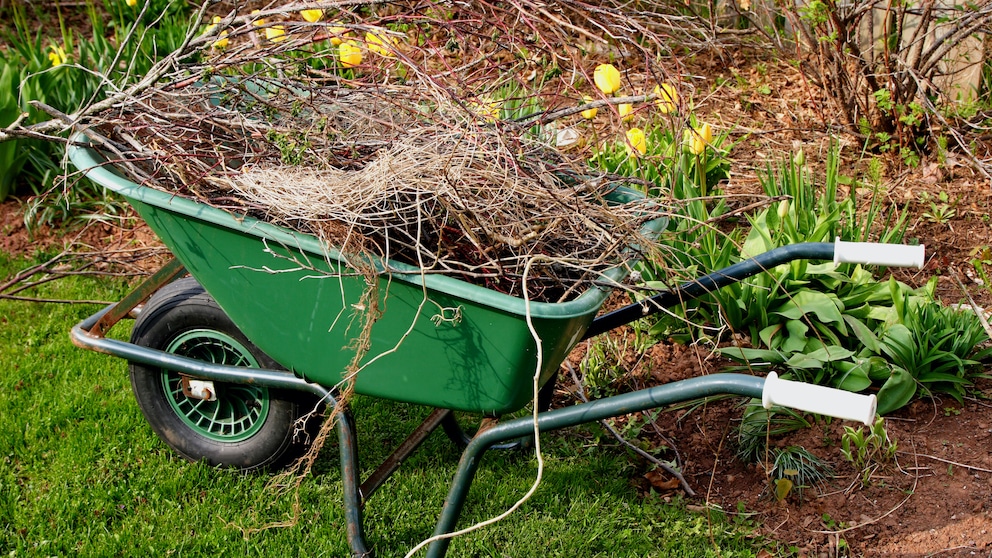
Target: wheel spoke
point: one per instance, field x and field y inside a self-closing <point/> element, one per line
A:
<point x="239" y="411"/>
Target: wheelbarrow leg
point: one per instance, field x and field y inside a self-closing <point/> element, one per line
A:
<point x="351" y="480"/>
<point x="659" y="396"/>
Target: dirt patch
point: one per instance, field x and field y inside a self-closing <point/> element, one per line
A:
<point x="126" y="233"/>
<point x="934" y="498"/>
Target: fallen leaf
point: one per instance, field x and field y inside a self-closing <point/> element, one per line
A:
<point x="660" y="481"/>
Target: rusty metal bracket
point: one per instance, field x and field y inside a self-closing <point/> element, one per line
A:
<point x="393" y="462"/>
<point x="119" y="311"/>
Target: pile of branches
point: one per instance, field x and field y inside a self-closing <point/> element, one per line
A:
<point x="401" y="155"/>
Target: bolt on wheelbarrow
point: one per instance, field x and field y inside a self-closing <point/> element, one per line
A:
<point x="225" y="358"/>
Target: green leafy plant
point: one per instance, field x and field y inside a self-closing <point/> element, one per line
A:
<point x="868" y="451"/>
<point x="840" y="326"/>
<point x="693" y="243"/>
<point x="941" y="209"/>
<point x="932" y="347"/>
<point x="759" y="424"/>
<point x="62" y="71"/>
<point x="795" y="469"/>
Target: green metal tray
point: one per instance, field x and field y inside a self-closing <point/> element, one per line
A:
<point x="483" y="363"/>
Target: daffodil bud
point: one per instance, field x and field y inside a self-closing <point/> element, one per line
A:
<point x="349" y="54"/>
<point x="667" y="98"/>
<point x="378" y="45"/>
<point x="626" y="111"/>
<point x="336" y="33"/>
<point x="222" y="42"/>
<point x="607" y="78"/>
<point x="699" y="138"/>
<point x="783" y="209"/>
<point x="589" y="114"/>
<point x="313" y="16"/>
<point x="276" y="33"/>
<point x="637" y="143"/>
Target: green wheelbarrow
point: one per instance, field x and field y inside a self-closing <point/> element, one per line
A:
<point x="227" y="353"/>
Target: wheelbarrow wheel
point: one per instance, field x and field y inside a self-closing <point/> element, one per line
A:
<point x="246" y="427"/>
<point x="460" y="436"/>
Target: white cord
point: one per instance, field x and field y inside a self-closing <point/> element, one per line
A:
<point x="537" y="433"/>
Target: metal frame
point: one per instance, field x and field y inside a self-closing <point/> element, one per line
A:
<point x="90" y="334"/>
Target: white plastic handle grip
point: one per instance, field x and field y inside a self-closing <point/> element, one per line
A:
<point x="818" y="399"/>
<point x="874" y="253"/>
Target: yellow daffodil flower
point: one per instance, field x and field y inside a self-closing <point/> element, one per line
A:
<point x="637" y="143"/>
<point x="607" y="78"/>
<point x="131" y="3"/>
<point x="626" y="111"/>
<point x="588" y="114"/>
<point x="667" y="98"/>
<point x="275" y="33"/>
<point x="336" y="32"/>
<point x="699" y="138"/>
<point x="223" y="41"/>
<point x="378" y="45"/>
<point x="313" y="16"/>
<point x="257" y="22"/>
<point x="57" y="55"/>
<point x="487" y="110"/>
<point x="349" y="54"/>
<point x="213" y="25"/>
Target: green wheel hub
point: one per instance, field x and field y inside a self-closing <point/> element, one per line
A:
<point x="239" y="410"/>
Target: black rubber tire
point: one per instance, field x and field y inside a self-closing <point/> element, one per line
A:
<point x="182" y="312"/>
<point x="461" y="438"/>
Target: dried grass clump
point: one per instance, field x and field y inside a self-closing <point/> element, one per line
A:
<point x="447" y="194"/>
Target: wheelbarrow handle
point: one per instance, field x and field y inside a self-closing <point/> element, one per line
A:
<point x="869" y="253"/>
<point x="821" y="400"/>
<point x="875" y="253"/>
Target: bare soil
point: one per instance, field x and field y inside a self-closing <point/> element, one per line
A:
<point x="936" y="498"/>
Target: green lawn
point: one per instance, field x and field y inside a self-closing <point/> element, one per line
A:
<point x="82" y="474"/>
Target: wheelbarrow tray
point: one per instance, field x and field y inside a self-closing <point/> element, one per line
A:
<point x="439" y="341"/>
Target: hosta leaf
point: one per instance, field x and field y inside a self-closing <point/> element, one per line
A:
<point x="753" y="356"/>
<point x="863" y="333"/>
<point x="769" y="336"/>
<point x="831" y="353"/>
<point x="931" y="377"/>
<point x="854" y="377"/>
<point x="896" y="391"/>
<point x="828" y="335"/>
<point x="823" y="305"/>
<point x="804" y="361"/>
<point x="796" y="340"/>
<point x="878" y="369"/>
